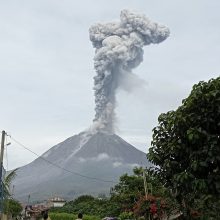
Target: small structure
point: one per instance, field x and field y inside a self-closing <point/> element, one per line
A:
<point x="56" y="202"/>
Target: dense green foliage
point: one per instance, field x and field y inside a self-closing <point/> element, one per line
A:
<point x="123" y="199"/>
<point x="126" y="215"/>
<point x="131" y="188"/>
<point x="91" y="206"/>
<point x="131" y="197"/>
<point x="186" y="148"/>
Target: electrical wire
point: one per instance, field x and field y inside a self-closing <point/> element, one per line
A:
<point x="62" y="168"/>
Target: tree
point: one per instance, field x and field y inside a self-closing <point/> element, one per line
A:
<point x="91" y="206"/>
<point x="130" y="195"/>
<point x="129" y="189"/>
<point x="186" y="147"/>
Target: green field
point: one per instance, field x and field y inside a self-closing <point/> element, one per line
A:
<point x="66" y="216"/>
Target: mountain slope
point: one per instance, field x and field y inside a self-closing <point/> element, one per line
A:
<point x="99" y="156"/>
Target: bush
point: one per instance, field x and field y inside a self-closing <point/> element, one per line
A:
<point x="12" y="207"/>
<point x="90" y="206"/>
<point x="126" y="215"/>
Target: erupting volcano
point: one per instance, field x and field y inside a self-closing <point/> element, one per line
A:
<point x="92" y="161"/>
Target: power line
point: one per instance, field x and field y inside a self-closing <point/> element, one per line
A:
<point x="62" y="168"/>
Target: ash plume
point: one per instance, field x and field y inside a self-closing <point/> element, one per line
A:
<point x="119" y="49"/>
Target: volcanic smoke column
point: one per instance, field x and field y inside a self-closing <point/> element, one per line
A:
<point x="119" y="49"/>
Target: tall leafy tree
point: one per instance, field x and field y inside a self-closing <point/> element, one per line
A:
<point x="186" y="147"/>
<point x="131" y="196"/>
<point x="129" y="189"/>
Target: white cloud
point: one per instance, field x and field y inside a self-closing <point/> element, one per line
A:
<point x="117" y="164"/>
<point x="100" y="157"/>
<point x="82" y="160"/>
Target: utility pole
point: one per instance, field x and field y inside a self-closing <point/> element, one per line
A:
<point x="1" y="172"/>
<point x="29" y="196"/>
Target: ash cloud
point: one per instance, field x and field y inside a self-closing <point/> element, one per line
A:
<point x="119" y="49"/>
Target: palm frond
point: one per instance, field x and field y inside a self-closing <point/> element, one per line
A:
<point x="8" y="178"/>
<point x="7" y="182"/>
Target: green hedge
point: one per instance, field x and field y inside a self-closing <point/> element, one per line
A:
<point x="66" y="216"/>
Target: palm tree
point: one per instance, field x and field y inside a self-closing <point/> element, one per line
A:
<point x="6" y="184"/>
<point x="9" y="205"/>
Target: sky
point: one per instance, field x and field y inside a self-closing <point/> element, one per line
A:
<point x="46" y="68"/>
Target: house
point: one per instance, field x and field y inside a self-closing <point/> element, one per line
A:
<point x="56" y="202"/>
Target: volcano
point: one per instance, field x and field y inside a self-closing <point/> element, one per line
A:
<point x="92" y="164"/>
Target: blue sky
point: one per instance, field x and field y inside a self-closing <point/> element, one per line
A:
<point x="46" y="68"/>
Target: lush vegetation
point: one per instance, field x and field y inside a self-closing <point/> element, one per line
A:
<point x="151" y="201"/>
<point x="186" y="150"/>
<point x="128" y="199"/>
<point x="12" y="207"/>
<point x="89" y="205"/>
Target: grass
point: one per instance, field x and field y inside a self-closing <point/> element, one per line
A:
<point x="67" y="216"/>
